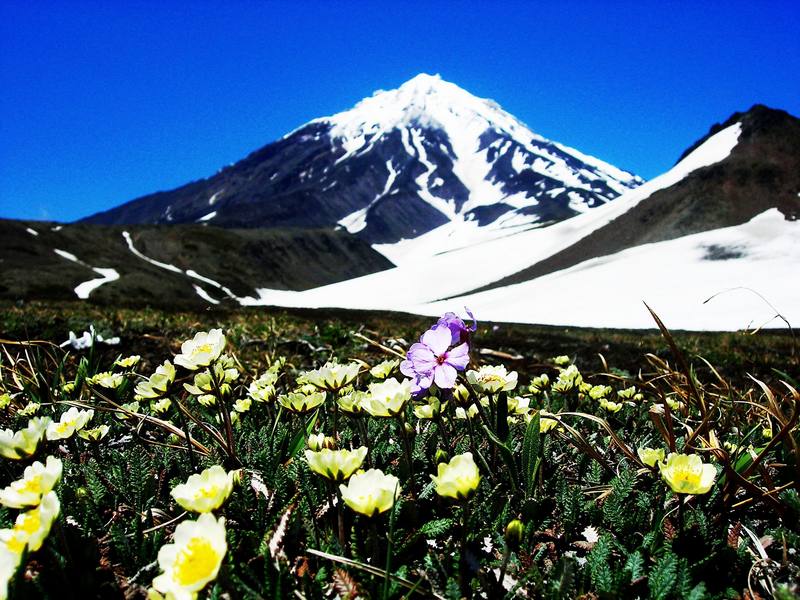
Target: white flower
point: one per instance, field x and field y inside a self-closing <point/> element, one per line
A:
<point x="590" y="535"/>
<point x="127" y="363"/>
<point x="467" y="414"/>
<point x="242" y="405"/>
<point x="193" y="559"/>
<point x="491" y="379"/>
<point x="161" y="406"/>
<point x="205" y="491"/>
<point x="31" y="527"/>
<point x="71" y="421"/>
<point x="388" y="398"/>
<point x="24" y="442"/>
<point x="158" y="384"/>
<point x="457" y="479"/>
<point x="331" y="376"/>
<point x="37" y="480"/>
<point x="9" y="561"/>
<point x="383" y="369"/>
<point x="201" y="350"/>
<point x="31" y="408"/>
<point x="107" y="380"/>
<point x="94" y="435"/>
<point x="370" y="493"/>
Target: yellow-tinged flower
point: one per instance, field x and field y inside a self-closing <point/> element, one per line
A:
<point x="383" y="369"/>
<point x="263" y="388"/>
<point x="387" y="398"/>
<point x="71" y="421"/>
<point x="207" y="399"/>
<point x="31" y="408"/>
<point x="160" y="406"/>
<point x="37" y="480"/>
<point x="468" y="413"/>
<point x="23" y="443"/>
<point x="31" y="527"/>
<point x="539" y="384"/>
<point x="457" y="479"/>
<point x="5" y="400"/>
<point x="201" y="350"/>
<point x="431" y="410"/>
<point x="300" y="403"/>
<point x="94" y="435"/>
<point x="206" y="491"/>
<point x="546" y="422"/>
<point x="370" y="493"/>
<point x="675" y="405"/>
<point x="491" y="379"/>
<point x="628" y="393"/>
<point x="318" y="441"/>
<point x="461" y="394"/>
<point x="336" y="465"/>
<point x="599" y="391"/>
<point x="568" y="379"/>
<point x="158" y="383"/>
<point x="610" y="406"/>
<point x="350" y="403"/>
<point x="562" y="360"/>
<point x="192" y="559"/>
<point x="517" y="405"/>
<point x="687" y="473"/>
<point x="650" y="456"/>
<point x="129" y="362"/>
<point x="132" y="407"/>
<point x="331" y="376"/>
<point x="107" y="380"/>
<point x="243" y="405"/>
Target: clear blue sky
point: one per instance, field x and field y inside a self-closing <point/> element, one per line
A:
<point x="101" y="102"/>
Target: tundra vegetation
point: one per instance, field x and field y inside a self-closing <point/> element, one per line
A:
<point x="357" y="455"/>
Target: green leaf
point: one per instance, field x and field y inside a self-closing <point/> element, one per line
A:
<point x="663" y="577"/>
<point x="530" y="454"/>
<point x="299" y="439"/>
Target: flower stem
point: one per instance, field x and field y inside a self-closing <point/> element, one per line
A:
<point x="408" y="452"/>
<point x="462" y="559"/>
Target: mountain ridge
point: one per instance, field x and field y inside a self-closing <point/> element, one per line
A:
<point x="398" y="164"/>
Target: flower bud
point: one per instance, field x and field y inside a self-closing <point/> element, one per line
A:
<point x="81" y="493"/>
<point x="237" y="476"/>
<point x="440" y="457"/>
<point x="514" y="532"/>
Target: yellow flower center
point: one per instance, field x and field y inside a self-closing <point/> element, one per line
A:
<point x="195" y="562"/>
<point x="16" y="543"/>
<point x="29" y="523"/>
<point x="32" y="485"/>
<point x="203" y="349"/>
<point x="206" y="493"/>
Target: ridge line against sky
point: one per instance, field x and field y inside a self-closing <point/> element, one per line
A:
<point x="105" y="102"/>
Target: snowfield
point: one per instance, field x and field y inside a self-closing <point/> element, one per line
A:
<point x="674" y="277"/>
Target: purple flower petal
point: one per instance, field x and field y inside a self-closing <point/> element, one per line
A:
<point x="458" y="357"/>
<point x="437" y="339"/>
<point x="444" y="376"/>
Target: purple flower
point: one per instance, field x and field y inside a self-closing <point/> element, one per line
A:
<point x="429" y="360"/>
<point x="458" y="329"/>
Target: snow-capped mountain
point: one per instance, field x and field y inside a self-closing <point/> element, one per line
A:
<point x="396" y="166"/>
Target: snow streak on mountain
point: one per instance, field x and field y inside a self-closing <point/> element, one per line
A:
<point x="398" y="165"/>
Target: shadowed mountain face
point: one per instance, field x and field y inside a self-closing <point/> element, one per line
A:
<point x="165" y="266"/>
<point x="762" y="172"/>
<point x="397" y="165"/>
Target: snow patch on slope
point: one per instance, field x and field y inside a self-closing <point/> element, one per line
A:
<point x="87" y="287"/>
<point x="767" y="252"/>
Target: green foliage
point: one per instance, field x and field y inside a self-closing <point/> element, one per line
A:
<point x="596" y="524"/>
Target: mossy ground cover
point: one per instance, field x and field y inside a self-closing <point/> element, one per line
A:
<point x="595" y="521"/>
